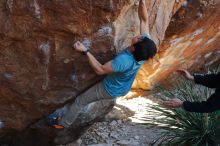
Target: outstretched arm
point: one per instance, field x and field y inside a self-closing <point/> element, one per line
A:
<point x="208" y="80"/>
<point x="143" y="16"/>
<point x="98" y="67"/>
<point x="94" y="63"/>
<point x="211" y="105"/>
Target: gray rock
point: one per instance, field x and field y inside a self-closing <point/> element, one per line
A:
<point x="137" y="137"/>
<point x="113" y="123"/>
<point x="77" y="143"/>
<point x="2" y="125"/>
<point x="114" y="135"/>
<point x="128" y="143"/>
<point x="119" y="122"/>
<point x="101" y="144"/>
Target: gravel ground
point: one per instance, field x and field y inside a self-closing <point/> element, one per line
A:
<point x="127" y="125"/>
<point x="120" y="133"/>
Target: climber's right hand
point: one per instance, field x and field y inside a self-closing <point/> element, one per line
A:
<point x="186" y="74"/>
<point x="78" y="46"/>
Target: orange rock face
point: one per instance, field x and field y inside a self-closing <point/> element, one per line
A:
<point x="39" y="71"/>
<point x="192" y="42"/>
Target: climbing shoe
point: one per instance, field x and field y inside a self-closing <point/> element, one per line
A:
<point x="55" y="117"/>
<point x="53" y="121"/>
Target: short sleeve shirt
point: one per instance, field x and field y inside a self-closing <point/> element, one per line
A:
<point x="125" y="68"/>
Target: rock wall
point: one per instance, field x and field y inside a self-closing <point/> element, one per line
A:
<point x="40" y="72"/>
<point x="192" y="41"/>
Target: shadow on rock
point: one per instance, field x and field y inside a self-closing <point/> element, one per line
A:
<point x="40" y="134"/>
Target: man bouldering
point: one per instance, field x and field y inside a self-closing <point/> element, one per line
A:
<point x="120" y="71"/>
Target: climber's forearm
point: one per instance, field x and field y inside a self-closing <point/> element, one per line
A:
<point x="143" y="16"/>
<point x="97" y="66"/>
<point x="94" y="63"/>
<point x="142" y="11"/>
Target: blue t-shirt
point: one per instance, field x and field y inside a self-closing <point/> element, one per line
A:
<point x="124" y="68"/>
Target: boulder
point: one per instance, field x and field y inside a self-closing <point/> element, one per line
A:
<point x="40" y="71"/>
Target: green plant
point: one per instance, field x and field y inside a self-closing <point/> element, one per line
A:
<point x="184" y="128"/>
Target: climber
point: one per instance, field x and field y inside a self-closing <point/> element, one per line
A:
<point x="210" y="105"/>
<point x="120" y="71"/>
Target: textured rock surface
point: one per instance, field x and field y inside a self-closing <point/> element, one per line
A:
<point x="39" y="72"/>
<point x="192" y="41"/>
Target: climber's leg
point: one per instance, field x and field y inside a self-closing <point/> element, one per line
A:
<point x="95" y="93"/>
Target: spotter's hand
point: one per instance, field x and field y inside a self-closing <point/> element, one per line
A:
<point x="173" y="103"/>
<point x="185" y="73"/>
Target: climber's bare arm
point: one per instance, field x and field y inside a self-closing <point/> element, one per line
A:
<point x="98" y="67"/>
<point x="94" y="63"/>
<point x="143" y="16"/>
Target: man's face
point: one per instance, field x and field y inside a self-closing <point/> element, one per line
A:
<point x="136" y="39"/>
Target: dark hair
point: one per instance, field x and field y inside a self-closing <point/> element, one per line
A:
<point x="144" y="49"/>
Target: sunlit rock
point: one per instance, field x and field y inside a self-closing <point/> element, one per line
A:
<point x="41" y="72"/>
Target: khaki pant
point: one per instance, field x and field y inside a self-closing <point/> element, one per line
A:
<point x="95" y="93"/>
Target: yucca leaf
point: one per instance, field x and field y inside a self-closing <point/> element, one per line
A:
<point x="185" y="128"/>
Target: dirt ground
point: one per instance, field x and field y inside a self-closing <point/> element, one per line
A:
<point x="128" y="124"/>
